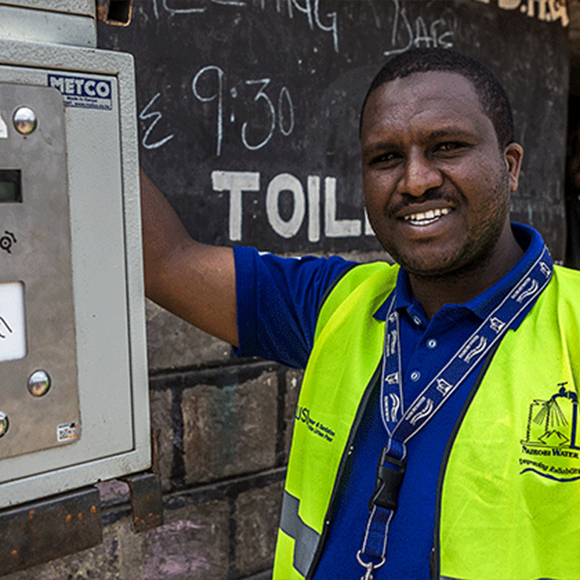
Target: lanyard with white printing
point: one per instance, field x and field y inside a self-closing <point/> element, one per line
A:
<point x="401" y="425"/>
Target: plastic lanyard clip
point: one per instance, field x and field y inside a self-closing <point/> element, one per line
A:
<point x="390" y="473"/>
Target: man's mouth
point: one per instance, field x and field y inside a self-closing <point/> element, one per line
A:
<point x="427" y="217"/>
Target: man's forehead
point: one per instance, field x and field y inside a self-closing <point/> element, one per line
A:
<point x="445" y="95"/>
<point x="426" y="85"/>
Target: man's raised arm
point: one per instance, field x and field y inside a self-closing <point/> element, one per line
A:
<point x="194" y="281"/>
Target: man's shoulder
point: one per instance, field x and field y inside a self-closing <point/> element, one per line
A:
<point x="563" y="292"/>
<point x="368" y="274"/>
<point x="370" y="283"/>
<point x="567" y="279"/>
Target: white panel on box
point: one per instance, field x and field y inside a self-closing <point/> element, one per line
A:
<point x="12" y="322"/>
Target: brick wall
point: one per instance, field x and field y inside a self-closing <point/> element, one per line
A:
<point x="222" y="428"/>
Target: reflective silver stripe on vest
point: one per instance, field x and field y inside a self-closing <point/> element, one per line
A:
<point x="306" y="539"/>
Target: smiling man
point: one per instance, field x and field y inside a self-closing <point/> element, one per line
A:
<point x="437" y="183"/>
<point x="436" y="431"/>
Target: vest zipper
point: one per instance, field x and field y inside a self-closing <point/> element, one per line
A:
<point x="436" y="550"/>
<point x="360" y="412"/>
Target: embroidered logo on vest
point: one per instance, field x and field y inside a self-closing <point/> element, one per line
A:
<point x="550" y="448"/>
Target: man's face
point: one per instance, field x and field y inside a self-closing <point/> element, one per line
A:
<point x="435" y="180"/>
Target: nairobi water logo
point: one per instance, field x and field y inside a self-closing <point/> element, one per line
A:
<point x="550" y="448"/>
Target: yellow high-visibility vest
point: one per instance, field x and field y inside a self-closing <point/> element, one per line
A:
<point x="509" y="499"/>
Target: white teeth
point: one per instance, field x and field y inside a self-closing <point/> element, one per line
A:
<point x="427" y="217"/>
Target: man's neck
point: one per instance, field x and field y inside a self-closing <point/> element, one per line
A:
<point x="433" y="292"/>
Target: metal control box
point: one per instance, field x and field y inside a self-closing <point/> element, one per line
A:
<point x="37" y="334"/>
<point x="73" y="380"/>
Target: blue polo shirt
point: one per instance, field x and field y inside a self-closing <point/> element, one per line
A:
<point x="278" y="301"/>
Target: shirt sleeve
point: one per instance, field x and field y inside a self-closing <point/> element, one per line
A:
<point x="278" y="301"/>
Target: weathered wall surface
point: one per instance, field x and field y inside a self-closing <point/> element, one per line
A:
<point x="222" y="430"/>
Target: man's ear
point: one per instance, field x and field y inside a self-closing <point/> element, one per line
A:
<point x="513" y="154"/>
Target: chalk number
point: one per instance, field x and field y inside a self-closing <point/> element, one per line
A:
<point x="273" y="114"/>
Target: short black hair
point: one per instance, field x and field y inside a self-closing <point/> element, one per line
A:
<point x="491" y="94"/>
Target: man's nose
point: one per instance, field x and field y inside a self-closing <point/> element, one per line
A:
<point x="420" y="175"/>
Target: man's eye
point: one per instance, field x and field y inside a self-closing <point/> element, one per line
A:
<point x="449" y="146"/>
<point x="384" y="158"/>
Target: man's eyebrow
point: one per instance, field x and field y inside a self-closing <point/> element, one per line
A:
<point x="446" y="132"/>
<point x="450" y="131"/>
<point x="378" y="146"/>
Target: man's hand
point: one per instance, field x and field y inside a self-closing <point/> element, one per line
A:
<point x="194" y="281"/>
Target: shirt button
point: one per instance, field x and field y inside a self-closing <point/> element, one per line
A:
<point x="415" y="376"/>
<point x="432" y="343"/>
<point x="416" y="320"/>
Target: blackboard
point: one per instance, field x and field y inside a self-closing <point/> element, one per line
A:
<point x="248" y="109"/>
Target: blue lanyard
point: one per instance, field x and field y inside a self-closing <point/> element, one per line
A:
<point x="402" y="424"/>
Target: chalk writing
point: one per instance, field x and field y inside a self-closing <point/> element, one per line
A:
<point x="156" y="116"/>
<point x="407" y="34"/>
<point x="282" y="117"/>
<point x="284" y="97"/>
<point x="193" y="7"/>
<point x="237" y="183"/>
<point x="310" y="8"/>
<point x="272" y="113"/>
<point x="219" y="95"/>
<point x="546" y="10"/>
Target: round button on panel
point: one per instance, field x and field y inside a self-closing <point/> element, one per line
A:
<point x="39" y="383"/>
<point x="432" y="343"/>
<point x="25" y="120"/>
<point x="415" y="376"/>
<point x="4" y="423"/>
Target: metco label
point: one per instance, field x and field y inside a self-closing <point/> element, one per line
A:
<point x="85" y="92"/>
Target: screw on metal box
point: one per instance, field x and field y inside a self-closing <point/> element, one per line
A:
<point x="25" y="120"/>
<point x="39" y="383"/>
<point x="3" y="423"/>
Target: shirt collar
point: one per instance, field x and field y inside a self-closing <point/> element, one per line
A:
<point x="529" y="240"/>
